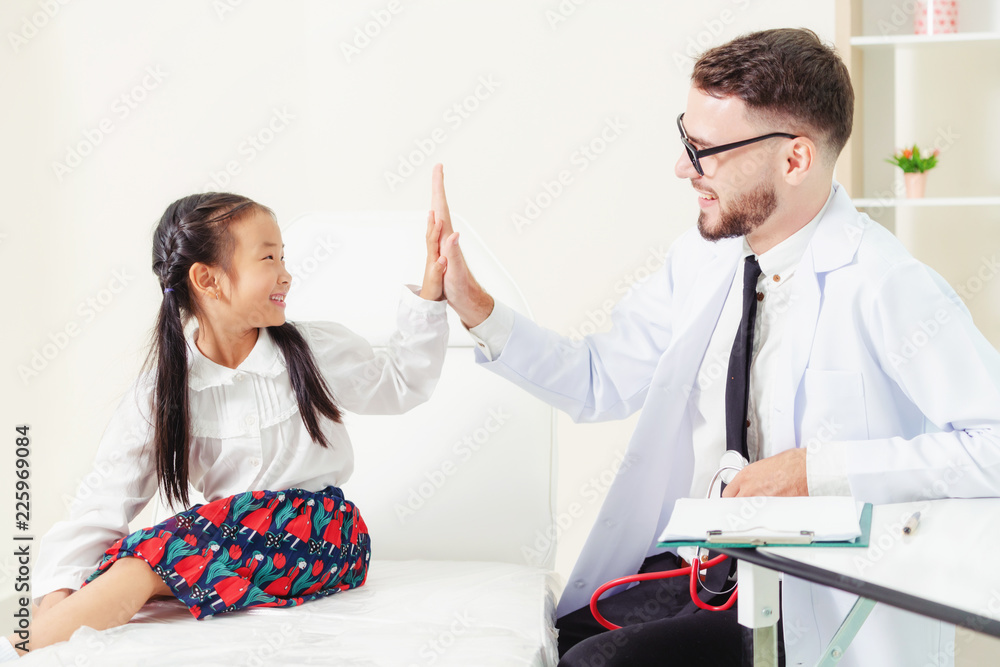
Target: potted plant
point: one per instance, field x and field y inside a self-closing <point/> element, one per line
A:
<point x="914" y="168"/>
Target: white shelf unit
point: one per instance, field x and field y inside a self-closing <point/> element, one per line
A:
<point x="928" y="201"/>
<point x="937" y="91"/>
<point x="904" y="40"/>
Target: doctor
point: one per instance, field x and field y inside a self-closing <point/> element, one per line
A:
<point x="867" y="376"/>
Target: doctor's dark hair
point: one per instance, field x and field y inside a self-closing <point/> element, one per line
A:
<point x="788" y="79"/>
<point x="197" y="229"/>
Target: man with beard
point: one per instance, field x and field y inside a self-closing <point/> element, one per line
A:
<point x="788" y="327"/>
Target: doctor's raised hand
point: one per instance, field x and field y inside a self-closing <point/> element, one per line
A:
<point x="463" y="293"/>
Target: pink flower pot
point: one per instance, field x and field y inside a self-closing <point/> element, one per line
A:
<point x="915" y="184"/>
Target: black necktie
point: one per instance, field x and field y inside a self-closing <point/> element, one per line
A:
<point x="737" y="392"/>
<point x="738" y="382"/>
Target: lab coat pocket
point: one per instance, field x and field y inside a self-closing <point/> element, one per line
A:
<point x="833" y="407"/>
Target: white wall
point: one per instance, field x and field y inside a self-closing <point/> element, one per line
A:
<point x="220" y="77"/>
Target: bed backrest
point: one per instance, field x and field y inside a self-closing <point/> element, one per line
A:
<point x="469" y="475"/>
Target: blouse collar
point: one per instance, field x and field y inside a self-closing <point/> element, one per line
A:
<point x="264" y="359"/>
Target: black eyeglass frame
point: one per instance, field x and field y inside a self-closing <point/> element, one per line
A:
<point x="696" y="154"/>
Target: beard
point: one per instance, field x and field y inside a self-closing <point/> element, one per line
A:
<point x="747" y="212"/>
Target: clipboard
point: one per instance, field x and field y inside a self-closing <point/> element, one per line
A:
<point x="717" y="538"/>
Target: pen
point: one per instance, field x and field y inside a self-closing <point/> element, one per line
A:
<point x="911" y="523"/>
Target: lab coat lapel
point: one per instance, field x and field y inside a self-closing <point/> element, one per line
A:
<point x="793" y="354"/>
<point x="833" y="245"/>
<point x="702" y="307"/>
<point x="677" y="370"/>
<point x="659" y="456"/>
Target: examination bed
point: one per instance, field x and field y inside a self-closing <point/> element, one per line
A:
<point x="458" y="495"/>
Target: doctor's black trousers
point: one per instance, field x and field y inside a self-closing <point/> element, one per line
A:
<point x="661" y="626"/>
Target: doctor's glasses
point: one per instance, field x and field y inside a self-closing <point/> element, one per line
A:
<point x="696" y="154"/>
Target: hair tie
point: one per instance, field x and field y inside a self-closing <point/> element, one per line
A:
<point x="169" y="289"/>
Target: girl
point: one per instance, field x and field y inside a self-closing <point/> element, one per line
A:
<point x="247" y="410"/>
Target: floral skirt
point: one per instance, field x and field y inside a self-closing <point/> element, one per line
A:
<point x="254" y="549"/>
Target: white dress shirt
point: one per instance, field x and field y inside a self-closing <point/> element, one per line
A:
<point x="707" y="407"/>
<point x="708" y="397"/>
<point x="246" y="433"/>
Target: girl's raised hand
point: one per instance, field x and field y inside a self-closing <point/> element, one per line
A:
<point x="433" y="285"/>
<point x="439" y="202"/>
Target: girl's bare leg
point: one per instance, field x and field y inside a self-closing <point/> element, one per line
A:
<point x="49" y="601"/>
<point x="108" y="601"/>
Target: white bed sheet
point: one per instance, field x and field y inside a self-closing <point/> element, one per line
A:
<point x="408" y="613"/>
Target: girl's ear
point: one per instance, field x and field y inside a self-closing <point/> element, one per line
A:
<point x="203" y="279"/>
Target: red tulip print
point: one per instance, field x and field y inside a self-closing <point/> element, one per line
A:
<point x="282" y="585"/>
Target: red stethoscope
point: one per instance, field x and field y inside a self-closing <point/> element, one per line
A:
<point x="732" y="462"/>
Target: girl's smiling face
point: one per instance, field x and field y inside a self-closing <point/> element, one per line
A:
<point x="260" y="282"/>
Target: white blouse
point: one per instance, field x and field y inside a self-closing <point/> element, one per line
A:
<point x="246" y="434"/>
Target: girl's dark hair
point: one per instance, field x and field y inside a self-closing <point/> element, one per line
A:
<point x="786" y="75"/>
<point x="197" y="229"/>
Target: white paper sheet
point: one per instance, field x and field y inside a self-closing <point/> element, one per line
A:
<point x="829" y="518"/>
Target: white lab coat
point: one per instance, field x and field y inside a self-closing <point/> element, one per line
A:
<point x="878" y="350"/>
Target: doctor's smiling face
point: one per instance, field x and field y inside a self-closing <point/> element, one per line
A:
<point x="773" y="109"/>
<point x="738" y="191"/>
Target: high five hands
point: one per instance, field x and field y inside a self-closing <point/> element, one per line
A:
<point x="447" y="275"/>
